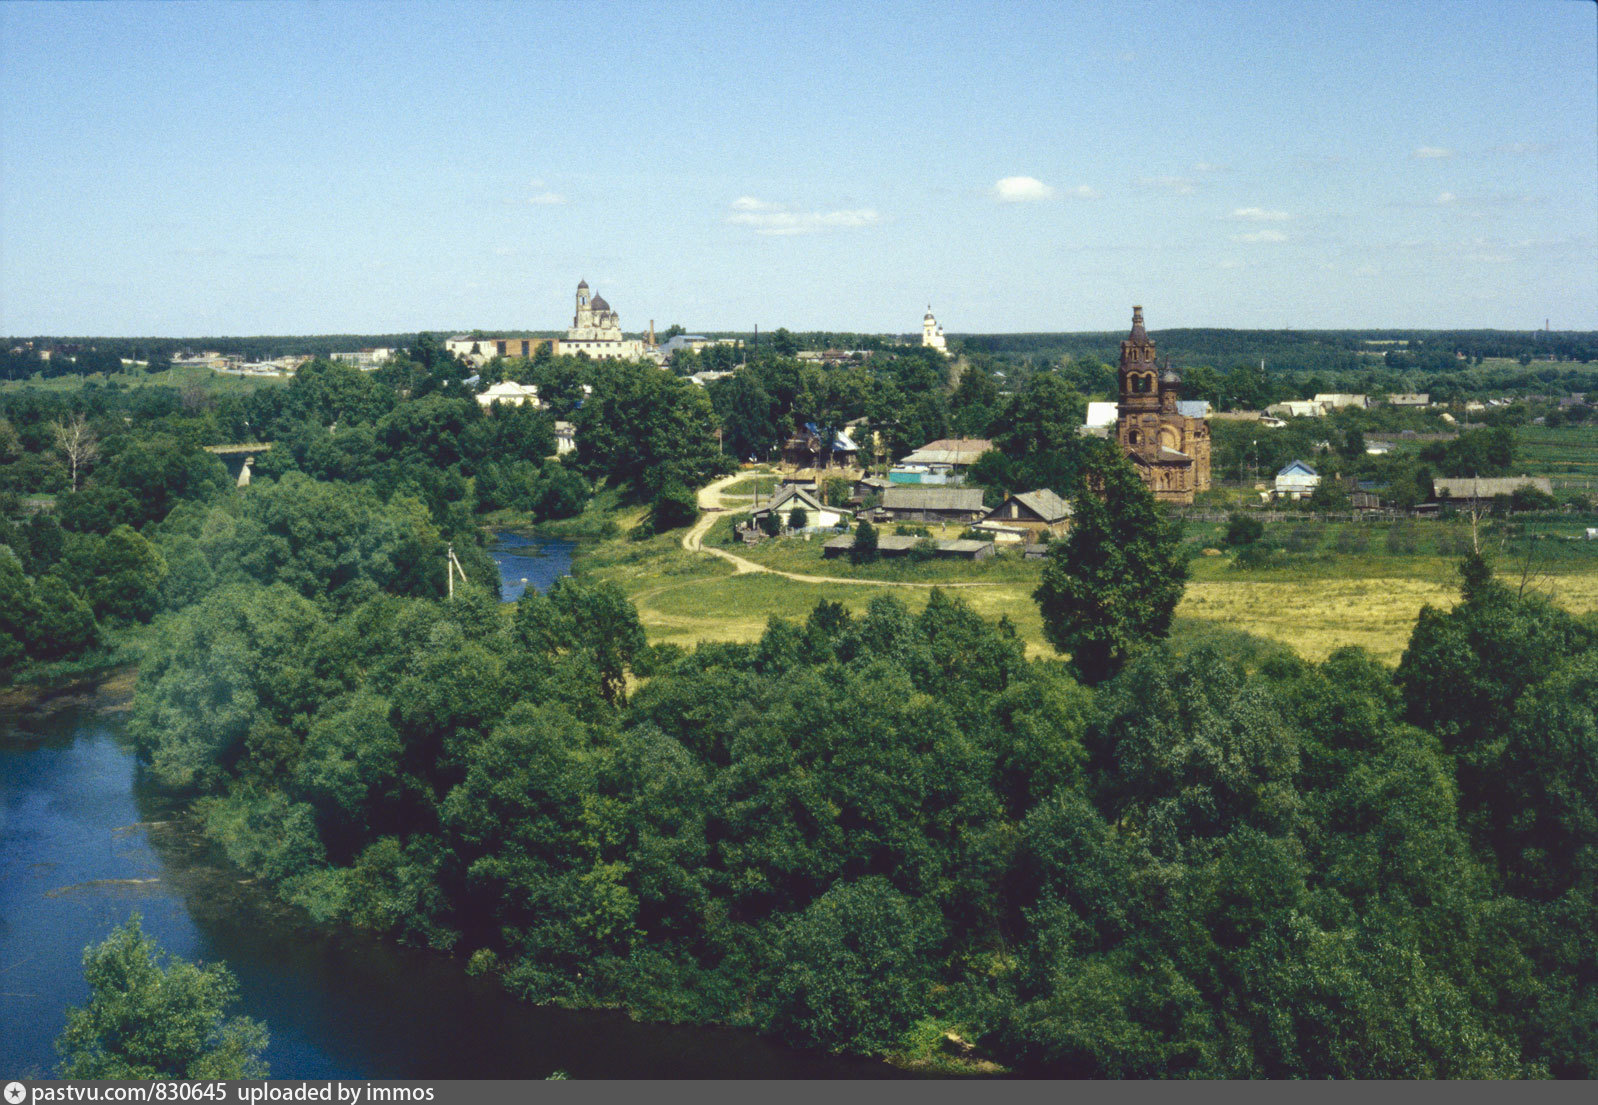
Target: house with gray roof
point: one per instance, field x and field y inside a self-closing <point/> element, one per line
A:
<point x="1477" y="489"/>
<point x="1036" y="512"/>
<point x="957" y="452"/>
<point x="892" y="545"/>
<point x="909" y="503"/>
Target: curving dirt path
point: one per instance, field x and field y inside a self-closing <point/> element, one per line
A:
<point x="712" y="506"/>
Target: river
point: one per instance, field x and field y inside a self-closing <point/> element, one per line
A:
<point x="85" y="843"/>
<point x="524" y="562"/>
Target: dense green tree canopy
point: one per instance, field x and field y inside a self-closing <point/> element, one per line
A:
<point x="152" y="1016"/>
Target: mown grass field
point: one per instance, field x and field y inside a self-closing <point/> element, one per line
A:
<point x="1313" y="603"/>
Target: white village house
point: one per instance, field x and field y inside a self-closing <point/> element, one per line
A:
<point x="511" y="394"/>
<point x="1297" y="480"/>
<point x="817" y="516"/>
<point x="795" y="494"/>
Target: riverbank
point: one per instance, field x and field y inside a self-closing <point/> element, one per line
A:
<point x="104" y="689"/>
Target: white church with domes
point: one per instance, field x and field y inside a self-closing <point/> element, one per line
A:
<point x="596" y="330"/>
<point x="932" y="333"/>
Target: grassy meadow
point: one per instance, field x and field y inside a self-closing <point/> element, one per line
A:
<point x="1338" y="584"/>
<point x="179" y="376"/>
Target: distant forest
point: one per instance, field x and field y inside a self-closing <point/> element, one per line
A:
<point x="1308" y="349"/>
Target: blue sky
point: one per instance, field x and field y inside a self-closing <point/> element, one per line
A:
<point x="203" y="168"/>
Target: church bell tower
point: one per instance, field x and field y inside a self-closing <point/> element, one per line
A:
<point x="1139" y="378"/>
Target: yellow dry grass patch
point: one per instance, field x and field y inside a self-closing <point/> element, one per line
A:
<point x="683" y="598"/>
<point x="1317" y="617"/>
<point x="1312" y="617"/>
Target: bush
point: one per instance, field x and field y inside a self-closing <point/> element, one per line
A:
<point x="1329" y="495"/>
<point x="1402" y="539"/>
<point x="673" y="508"/>
<point x="1302" y="539"/>
<point x="1352" y="539"/>
<point x="1530" y="498"/>
<point x="1242" y="529"/>
<point x="864" y="550"/>
<point x="923" y="550"/>
<point x="905" y="530"/>
<point x="798" y="518"/>
<point x="1258" y="555"/>
<point x="837" y="490"/>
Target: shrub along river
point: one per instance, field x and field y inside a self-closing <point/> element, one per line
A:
<point x="85" y="842"/>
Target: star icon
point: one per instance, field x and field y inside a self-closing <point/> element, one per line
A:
<point x="15" y="1093"/>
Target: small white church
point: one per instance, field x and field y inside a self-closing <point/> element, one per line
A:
<point x="932" y="333"/>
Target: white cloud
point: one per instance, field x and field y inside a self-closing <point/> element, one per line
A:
<point x="1176" y="185"/>
<point x="1021" y="189"/>
<point x="1261" y="236"/>
<point x="776" y="220"/>
<point x="542" y="195"/>
<point x="1207" y="167"/>
<point x="1523" y="147"/>
<point x="1085" y="192"/>
<point x="1428" y="153"/>
<point x="1259" y="215"/>
<point x="1447" y="198"/>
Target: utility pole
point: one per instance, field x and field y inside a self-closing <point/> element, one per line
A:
<point x="451" y="566"/>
